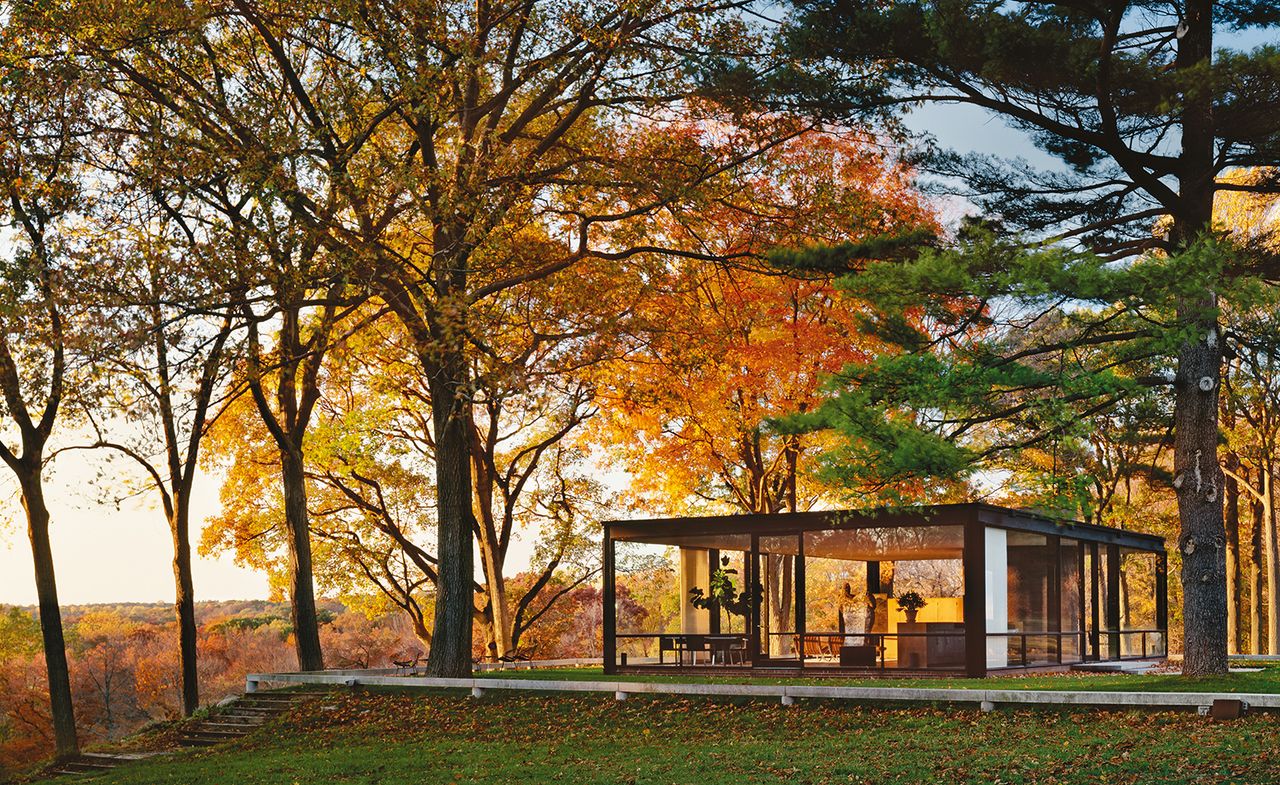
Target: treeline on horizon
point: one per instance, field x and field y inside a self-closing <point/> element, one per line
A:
<point x="162" y="612"/>
<point x="411" y="279"/>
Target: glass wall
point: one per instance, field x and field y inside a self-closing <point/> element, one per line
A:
<point x="853" y="578"/>
<point x="1029" y="575"/>
<point x="835" y="599"/>
<point x="1071" y="600"/>
<point x="1137" y="587"/>
<point x="1033" y="599"/>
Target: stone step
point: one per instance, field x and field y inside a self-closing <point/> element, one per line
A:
<point x="236" y="727"/>
<point x="112" y="758"/>
<point x="205" y="729"/>
<point x="193" y="741"/>
<point x="81" y="766"/>
<point x="232" y="719"/>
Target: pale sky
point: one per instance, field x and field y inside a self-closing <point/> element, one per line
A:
<point x="102" y="554"/>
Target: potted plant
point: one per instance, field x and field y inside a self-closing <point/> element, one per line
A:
<point x="910" y="603"/>
<point x="723" y="595"/>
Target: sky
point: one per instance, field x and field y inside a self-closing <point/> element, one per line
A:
<point x="105" y="554"/>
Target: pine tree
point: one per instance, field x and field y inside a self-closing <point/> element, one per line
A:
<point x="1145" y="116"/>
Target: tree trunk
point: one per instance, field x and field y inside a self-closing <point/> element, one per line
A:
<point x="781" y="608"/>
<point x="421" y="632"/>
<point x="1256" y="613"/>
<point x="499" y="612"/>
<point x="1198" y="479"/>
<point x="1273" y="557"/>
<point x="184" y="604"/>
<point x="306" y="630"/>
<point x="55" y="649"/>
<point x="451" y="417"/>
<point x="1231" y="500"/>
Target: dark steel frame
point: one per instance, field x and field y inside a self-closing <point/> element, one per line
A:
<point x="975" y="518"/>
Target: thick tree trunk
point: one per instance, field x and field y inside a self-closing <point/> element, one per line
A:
<point x="1195" y="445"/>
<point x="184" y="604"/>
<point x="55" y="649"/>
<point x="306" y="629"/>
<point x="1256" y="612"/>
<point x="451" y="417"/>
<point x="1231" y="501"/>
<point x="1198" y="481"/>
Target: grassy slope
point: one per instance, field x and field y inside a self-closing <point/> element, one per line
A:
<point x="1268" y="681"/>
<point x="436" y="737"/>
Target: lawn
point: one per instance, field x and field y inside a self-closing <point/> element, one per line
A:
<point x="386" y="737"/>
<point x="1267" y="680"/>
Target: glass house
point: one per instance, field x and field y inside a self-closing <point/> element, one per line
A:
<point x="814" y="592"/>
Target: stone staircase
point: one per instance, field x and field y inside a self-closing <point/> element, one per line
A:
<point x="97" y="762"/>
<point x="241" y="717"/>
<point x="232" y="720"/>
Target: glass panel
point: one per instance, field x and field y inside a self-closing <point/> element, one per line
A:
<point x="1108" y="618"/>
<point x="1029" y="573"/>
<point x="723" y="542"/>
<point x="1093" y="641"/>
<point x="1071" y="571"/>
<point x="647" y="601"/>
<point x="733" y="619"/>
<point x="853" y="579"/>
<point x="933" y="636"/>
<point x="886" y="544"/>
<point x="836" y="610"/>
<point x="778" y="606"/>
<point x="1138" y="604"/>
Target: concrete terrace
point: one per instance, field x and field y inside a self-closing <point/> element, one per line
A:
<point x="1166" y="695"/>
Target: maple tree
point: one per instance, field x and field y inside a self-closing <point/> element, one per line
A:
<point x="728" y="349"/>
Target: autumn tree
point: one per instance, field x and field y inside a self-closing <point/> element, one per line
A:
<point x="371" y="461"/>
<point x="725" y="349"/>
<point x="41" y="108"/>
<point x="1144" y="116"/>
<point x="167" y="366"/>
<point x="421" y="127"/>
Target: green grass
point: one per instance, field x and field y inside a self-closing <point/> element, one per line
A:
<point x="1266" y="681"/>
<point x="427" y="737"/>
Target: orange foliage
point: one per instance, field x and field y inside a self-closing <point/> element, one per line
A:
<point x="730" y="348"/>
<point x="125" y="672"/>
